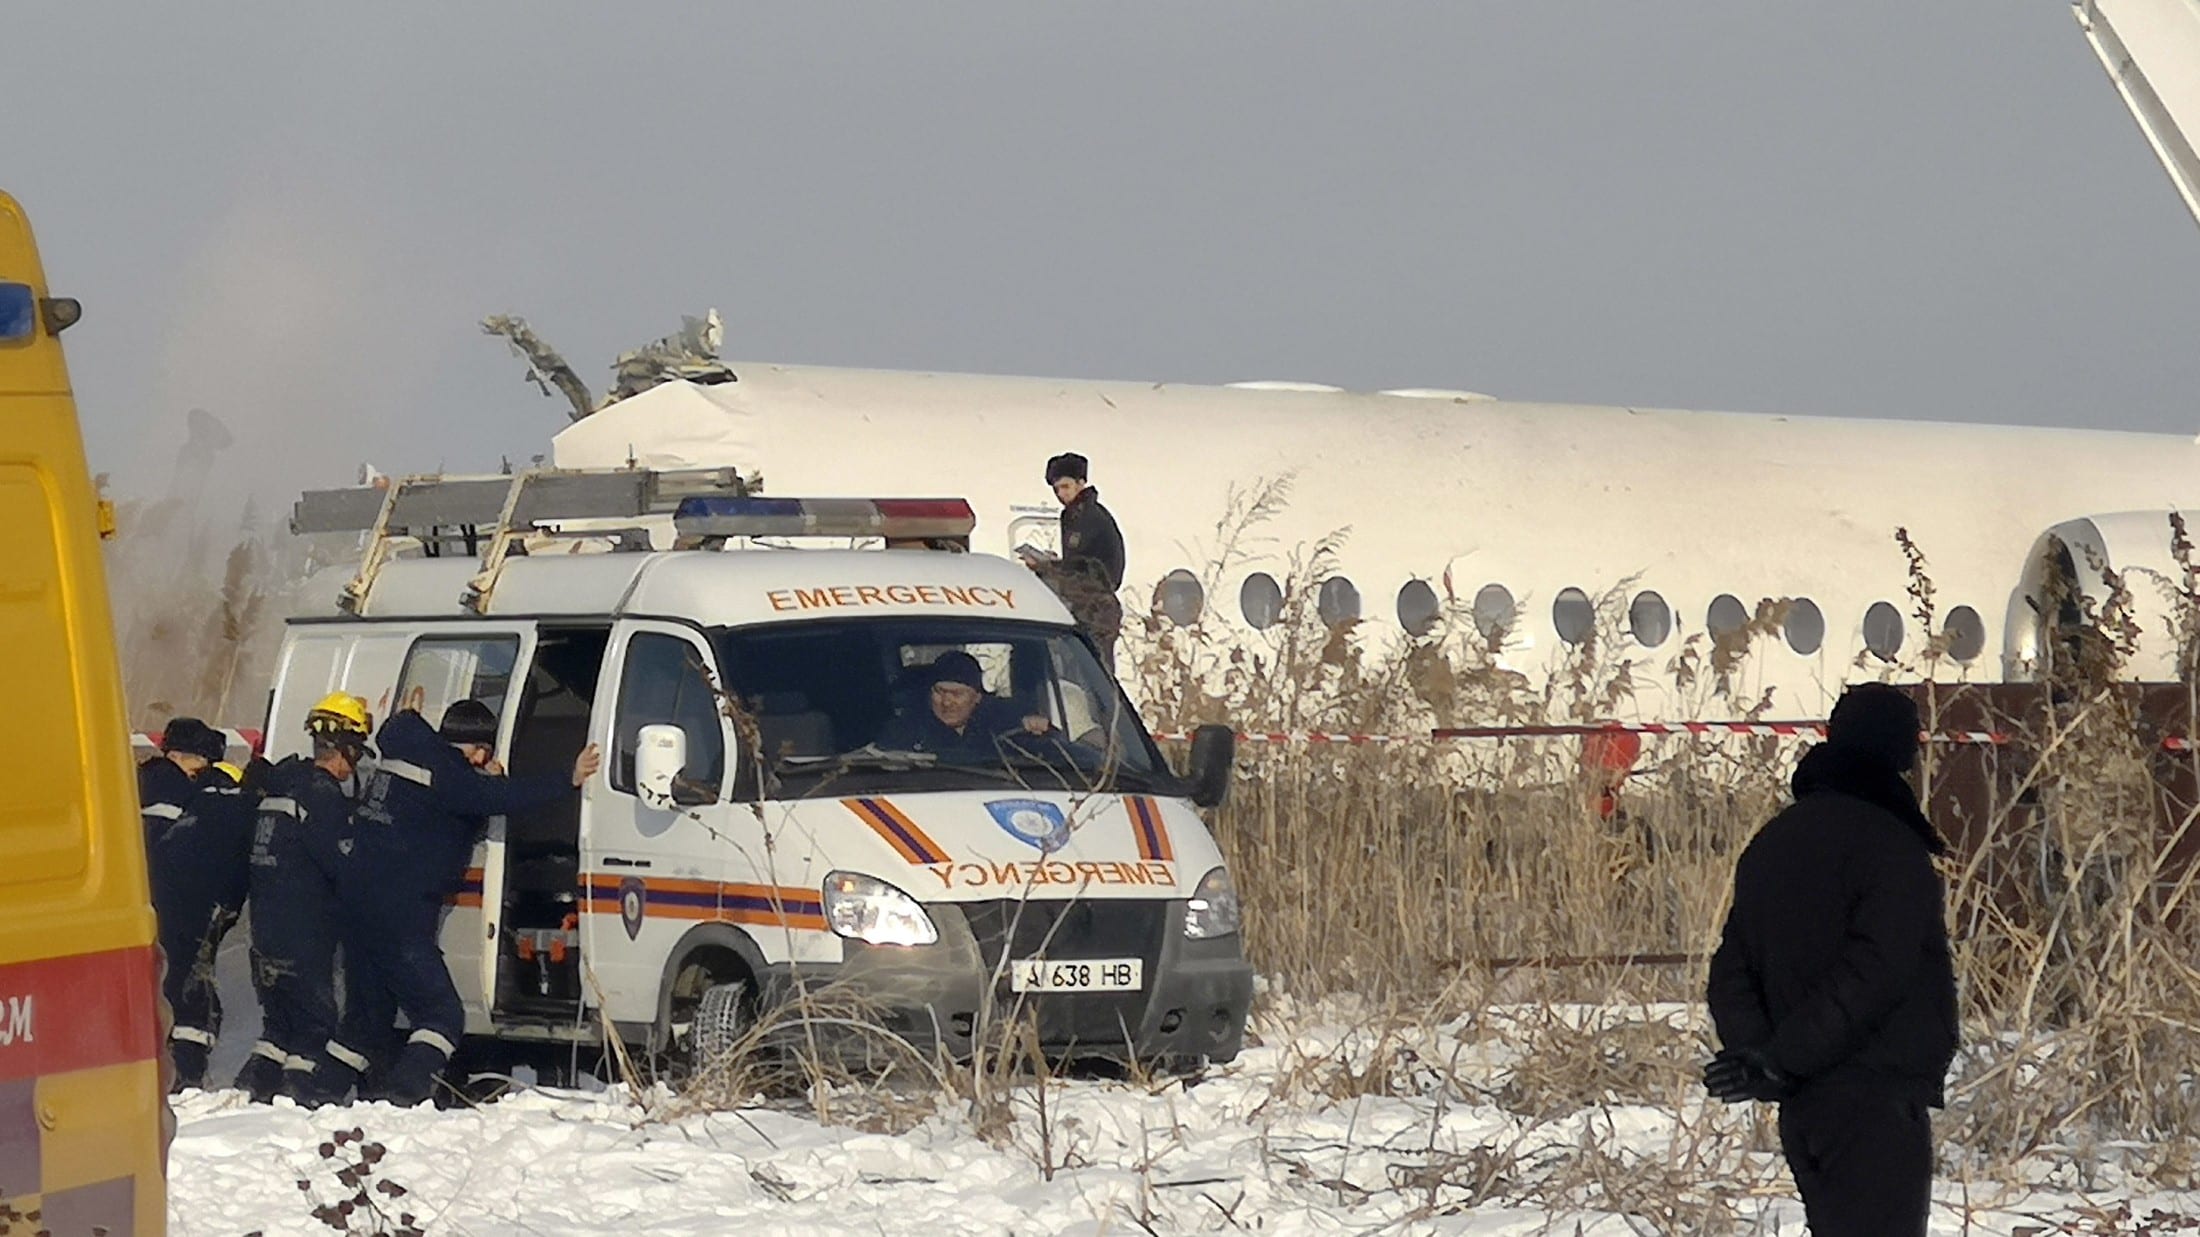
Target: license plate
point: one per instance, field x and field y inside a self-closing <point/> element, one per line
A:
<point x="1082" y="975"/>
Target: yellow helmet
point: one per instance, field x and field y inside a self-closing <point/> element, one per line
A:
<point x="235" y="774"/>
<point x="339" y="715"/>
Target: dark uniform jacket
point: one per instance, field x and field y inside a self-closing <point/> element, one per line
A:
<point x="920" y="730"/>
<point x="422" y="808"/>
<point x="1092" y="546"/>
<point x="204" y="858"/>
<point x="163" y="792"/>
<point x="304" y="818"/>
<point x="1835" y="956"/>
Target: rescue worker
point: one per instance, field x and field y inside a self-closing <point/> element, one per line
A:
<point x="1832" y="987"/>
<point x="1089" y="571"/>
<point x="201" y="871"/>
<point x="419" y="815"/>
<point x="303" y="830"/>
<point x="167" y="781"/>
<point x="964" y="723"/>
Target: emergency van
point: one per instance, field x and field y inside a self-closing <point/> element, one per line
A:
<point x="757" y="828"/>
<point x="84" y="1123"/>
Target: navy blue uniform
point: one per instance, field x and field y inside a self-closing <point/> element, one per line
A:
<point x="163" y="790"/>
<point x="201" y="871"/>
<point x="420" y="812"/>
<point x="297" y="852"/>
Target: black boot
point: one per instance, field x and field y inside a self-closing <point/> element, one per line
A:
<point x="413" y="1078"/>
<point x="190" y="1058"/>
<point x="262" y="1075"/>
<point x="318" y="1083"/>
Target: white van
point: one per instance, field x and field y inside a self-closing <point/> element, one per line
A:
<point x="747" y="831"/>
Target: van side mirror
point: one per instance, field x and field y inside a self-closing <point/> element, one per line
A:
<point x="660" y="752"/>
<point x="1213" y="761"/>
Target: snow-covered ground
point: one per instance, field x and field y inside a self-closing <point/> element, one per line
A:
<point x="1295" y="1137"/>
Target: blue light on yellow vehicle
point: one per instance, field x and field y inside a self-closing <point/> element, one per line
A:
<point x="18" y="312"/>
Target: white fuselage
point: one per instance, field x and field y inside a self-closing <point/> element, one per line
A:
<point x="1465" y="492"/>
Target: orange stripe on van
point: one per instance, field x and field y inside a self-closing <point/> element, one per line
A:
<point x="791" y="906"/>
<point x="469" y="891"/>
<point x="900" y="832"/>
<point x="1150" y="831"/>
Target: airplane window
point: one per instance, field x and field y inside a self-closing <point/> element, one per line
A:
<point x="1339" y="602"/>
<point x="1805" y="627"/>
<point x="1179" y="597"/>
<point x="1494" y="611"/>
<point x="1883" y="630"/>
<point x="1260" y="600"/>
<point x="1573" y="616"/>
<point x="1966" y="633"/>
<point x="1649" y="619"/>
<point x="1418" y="608"/>
<point x="1726" y="616"/>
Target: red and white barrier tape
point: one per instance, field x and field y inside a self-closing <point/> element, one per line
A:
<point x="250" y="741"/>
<point x="1301" y="736"/>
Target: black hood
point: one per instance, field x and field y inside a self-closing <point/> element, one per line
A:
<point x="1833" y="768"/>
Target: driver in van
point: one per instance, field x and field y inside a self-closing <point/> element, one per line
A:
<point x="964" y="721"/>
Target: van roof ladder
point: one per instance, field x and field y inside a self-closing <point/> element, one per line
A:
<point x="485" y="515"/>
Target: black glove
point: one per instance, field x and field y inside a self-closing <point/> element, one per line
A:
<point x="1738" y="1075"/>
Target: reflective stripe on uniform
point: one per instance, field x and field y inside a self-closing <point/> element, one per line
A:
<point x="356" y="1061"/>
<point x="409" y="771"/>
<point x="192" y="1035"/>
<point x="303" y="1065"/>
<point x="280" y="805"/>
<point x="163" y="811"/>
<point x="433" y="1040"/>
<point x="268" y="1050"/>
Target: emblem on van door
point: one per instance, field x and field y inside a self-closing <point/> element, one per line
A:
<point x="633" y="903"/>
<point x="1032" y="821"/>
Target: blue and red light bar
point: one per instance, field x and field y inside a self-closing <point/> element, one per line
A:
<point x="892" y="518"/>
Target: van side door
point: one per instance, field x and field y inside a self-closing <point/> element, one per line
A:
<point x="650" y="873"/>
<point x="484" y="663"/>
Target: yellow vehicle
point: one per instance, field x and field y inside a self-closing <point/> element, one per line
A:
<point x="84" y="1120"/>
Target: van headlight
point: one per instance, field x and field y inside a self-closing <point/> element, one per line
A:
<point x="863" y="908"/>
<point x="1213" y="910"/>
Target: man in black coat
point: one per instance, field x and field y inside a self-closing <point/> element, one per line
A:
<point x="201" y="870"/>
<point x="1090" y="569"/>
<point x="1832" y="988"/>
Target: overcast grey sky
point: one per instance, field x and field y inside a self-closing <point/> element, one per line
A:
<point x="294" y="215"/>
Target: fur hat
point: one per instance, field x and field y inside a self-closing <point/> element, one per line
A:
<point x="1067" y="464"/>
<point x="193" y="737"/>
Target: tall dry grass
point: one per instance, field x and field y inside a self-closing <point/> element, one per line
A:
<point x="1407" y="871"/>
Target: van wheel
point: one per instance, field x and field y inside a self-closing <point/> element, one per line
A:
<point x="722" y="1021"/>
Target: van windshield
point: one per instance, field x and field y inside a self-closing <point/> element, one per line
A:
<point x="933" y="703"/>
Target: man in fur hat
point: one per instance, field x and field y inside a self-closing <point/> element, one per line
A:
<point x="1090" y="569"/>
